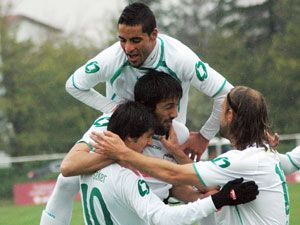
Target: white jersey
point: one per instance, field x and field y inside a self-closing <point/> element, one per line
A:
<point x="271" y="205"/>
<point x="169" y="55"/>
<point x="290" y="161"/>
<point x="116" y="195"/>
<point x="160" y="188"/>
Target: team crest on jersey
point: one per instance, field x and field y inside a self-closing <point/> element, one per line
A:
<point x="101" y="122"/>
<point x="201" y="71"/>
<point x="143" y="188"/>
<point x="92" y="67"/>
<point x="222" y="162"/>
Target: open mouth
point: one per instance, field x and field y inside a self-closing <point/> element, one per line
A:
<point x="132" y="57"/>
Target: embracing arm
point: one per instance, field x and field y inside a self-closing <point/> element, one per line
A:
<point x="113" y="147"/>
<point x="80" y="161"/>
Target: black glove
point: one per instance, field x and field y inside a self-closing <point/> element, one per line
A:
<point x="235" y="192"/>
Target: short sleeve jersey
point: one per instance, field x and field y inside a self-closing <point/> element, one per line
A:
<point x="116" y="195"/>
<point x="169" y="55"/>
<point x="252" y="164"/>
<point x="160" y="188"/>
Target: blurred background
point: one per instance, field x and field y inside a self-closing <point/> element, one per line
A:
<point x="253" y="43"/>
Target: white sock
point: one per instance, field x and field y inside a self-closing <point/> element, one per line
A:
<point x="59" y="207"/>
<point x="47" y="219"/>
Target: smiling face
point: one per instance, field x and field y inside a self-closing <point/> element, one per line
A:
<point x="138" y="144"/>
<point x="136" y="44"/>
<point x="166" y="111"/>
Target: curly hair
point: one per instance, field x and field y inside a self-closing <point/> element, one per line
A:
<point x="250" y="122"/>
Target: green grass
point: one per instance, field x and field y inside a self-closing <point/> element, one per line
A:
<point x="29" y="215"/>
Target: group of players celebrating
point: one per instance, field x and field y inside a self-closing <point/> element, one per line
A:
<point x="147" y="78"/>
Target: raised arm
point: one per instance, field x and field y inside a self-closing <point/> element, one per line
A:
<point x="79" y="161"/>
<point x="214" y="85"/>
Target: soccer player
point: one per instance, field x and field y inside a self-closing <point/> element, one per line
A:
<point x="244" y="121"/>
<point x="120" y="195"/>
<point x="158" y="91"/>
<point x="141" y="47"/>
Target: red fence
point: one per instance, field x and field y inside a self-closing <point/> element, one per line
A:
<point x="34" y="193"/>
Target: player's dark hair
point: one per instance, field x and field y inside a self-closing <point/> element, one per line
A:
<point x="250" y="121"/>
<point x="138" y="14"/>
<point x="132" y="119"/>
<point x="156" y="86"/>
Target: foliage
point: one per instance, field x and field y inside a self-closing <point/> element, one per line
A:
<point x="38" y="116"/>
<point x="44" y="117"/>
<point x="253" y="45"/>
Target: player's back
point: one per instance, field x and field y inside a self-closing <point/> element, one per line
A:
<point x="271" y="206"/>
<point x="108" y="196"/>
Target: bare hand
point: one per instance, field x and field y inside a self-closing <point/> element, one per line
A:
<point x="108" y="143"/>
<point x="171" y="144"/>
<point x="195" y="145"/>
<point x="273" y="140"/>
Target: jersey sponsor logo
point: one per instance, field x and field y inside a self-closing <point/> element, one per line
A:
<point x="201" y="71"/>
<point x="92" y="67"/>
<point x="143" y="188"/>
<point x="222" y="162"/>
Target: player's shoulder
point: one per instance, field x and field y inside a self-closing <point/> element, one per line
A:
<point x="178" y="57"/>
<point x="174" y="48"/>
<point x="237" y="160"/>
<point x="181" y="131"/>
<point x="102" y="121"/>
<point x="111" y="57"/>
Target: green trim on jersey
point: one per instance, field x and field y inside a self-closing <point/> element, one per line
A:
<point x="74" y="85"/>
<point x="238" y="213"/>
<point x="118" y="72"/>
<point x="292" y="162"/>
<point x="156" y="137"/>
<point x="221" y="88"/>
<point x="88" y="144"/>
<point x="198" y="175"/>
<point x="113" y="96"/>
<point x="280" y="173"/>
<point x="161" y="63"/>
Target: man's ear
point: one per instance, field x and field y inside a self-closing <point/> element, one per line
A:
<point x="154" y="34"/>
<point x="130" y="139"/>
<point x="229" y="115"/>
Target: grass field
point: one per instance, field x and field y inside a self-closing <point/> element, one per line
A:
<point x="30" y="215"/>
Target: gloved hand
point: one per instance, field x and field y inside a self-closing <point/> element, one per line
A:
<point x="235" y="192"/>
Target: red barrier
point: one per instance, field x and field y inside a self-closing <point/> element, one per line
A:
<point x="34" y="193"/>
<point x="293" y="178"/>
